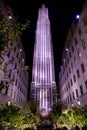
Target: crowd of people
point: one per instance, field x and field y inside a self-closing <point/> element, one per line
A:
<point x="73" y="128"/>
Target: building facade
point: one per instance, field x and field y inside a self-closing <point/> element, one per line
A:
<point x="13" y="73"/>
<point x="43" y="86"/>
<point x="73" y="74"/>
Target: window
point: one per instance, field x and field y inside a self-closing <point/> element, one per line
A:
<point x="72" y="49"/>
<point x="79" y="54"/>
<point x="70" y="98"/>
<point x="16" y="82"/>
<point x="11" y="91"/>
<point x="76" y="41"/>
<point x="15" y="67"/>
<point x="12" y="59"/>
<point x="10" y="71"/>
<point x="70" y="54"/>
<point x="17" y="54"/>
<point x="77" y="95"/>
<point x="78" y="74"/>
<point x="82" y="68"/>
<point x="67" y="74"/>
<point x="8" y="54"/>
<point x="66" y="88"/>
<point x="84" y="20"/>
<point x="79" y="31"/>
<point x="69" y="70"/>
<point x="86" y="84"/>
<point x="74" y="78"/>
<point x="14" y="49"/>
<point x="72" y="65"/>
<point x="73" y="95"/>
<point x="75" y="61"/>
<point x="6" y="90"/>
<point x="68" y="60"/>
<point x="68" y="85"/>
<point x="81" y="89"/>
<point x="71" y="82"/>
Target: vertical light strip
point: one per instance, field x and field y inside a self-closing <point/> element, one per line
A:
<point x="43" y="97"/>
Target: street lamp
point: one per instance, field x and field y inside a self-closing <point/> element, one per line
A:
<point x="9" y="102"/>
<point x="78" y="102"/>
<point x="72" y="104"/>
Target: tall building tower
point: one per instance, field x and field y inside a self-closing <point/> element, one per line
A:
<point x="43" y="86"/>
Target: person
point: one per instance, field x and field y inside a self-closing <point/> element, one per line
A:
<point x="64" y="128"/>
<point x="84" y="127"/>
<point x="77" y="127"/>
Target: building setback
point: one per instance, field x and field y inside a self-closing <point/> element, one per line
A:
<point x="73" y="74"/>
<point x="13" y="73"/>
<point x="43" y="86"/>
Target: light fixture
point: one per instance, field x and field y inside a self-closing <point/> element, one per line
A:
<point x="23" y="60"/>
<point x="9" y="102"/>
<point x="72" y="104"/>
<point x="10" y="17"/>
<point x="77" y="16"/>
<point x="20" y="49"/>
<point x="78" y="102"/>
<point x="67" y="49"/>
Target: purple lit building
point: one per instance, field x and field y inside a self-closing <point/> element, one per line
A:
<point x="13" y="72"/>
<point x="43" y="86"/>
<point x="73" y="74"/>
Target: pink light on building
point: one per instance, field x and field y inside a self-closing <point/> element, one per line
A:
<point x="43" y="86"/>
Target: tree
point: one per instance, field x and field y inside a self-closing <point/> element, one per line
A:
<point x="8" y="114"/>
<point x="21" y="118"/>
<point x="74" y="116"/>
<point x="55" y="113"/>
<point x="10" y="32"/>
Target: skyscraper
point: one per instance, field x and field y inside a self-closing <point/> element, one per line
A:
<point x="43" y="86"/>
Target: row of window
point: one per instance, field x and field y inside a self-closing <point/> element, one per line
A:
<point x="68" y="51"/>
<point x="68" y="86"/>
<point x="16" y="96"/>
<point x="74" y="76"/>
<point x="75" y="95"/>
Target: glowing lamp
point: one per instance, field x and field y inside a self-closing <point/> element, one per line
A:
<point x="77" y="16"/>
<point x="10" y="17"/>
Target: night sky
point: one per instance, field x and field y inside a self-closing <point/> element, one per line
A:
<point x="61" y="15"/>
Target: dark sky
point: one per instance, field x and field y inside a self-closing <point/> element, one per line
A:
<point x="61" y="14"/>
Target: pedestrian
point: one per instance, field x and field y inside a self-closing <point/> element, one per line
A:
<point x="64" y="128"/>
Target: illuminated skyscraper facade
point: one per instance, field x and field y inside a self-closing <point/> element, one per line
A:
<point x="43" y="86"/>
